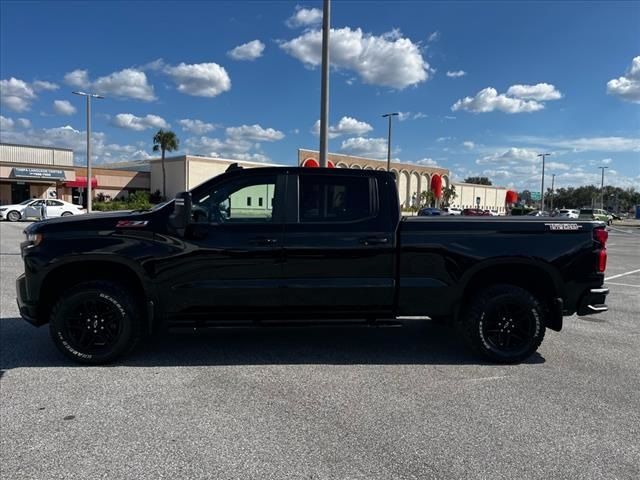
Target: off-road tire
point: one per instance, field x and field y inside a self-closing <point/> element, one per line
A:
<point x="115" y="309"/>
<point x="483" y="314"/>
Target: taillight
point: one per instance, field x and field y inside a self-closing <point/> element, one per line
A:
<point x="602" y="260"/>
<point x="600" y="235"/>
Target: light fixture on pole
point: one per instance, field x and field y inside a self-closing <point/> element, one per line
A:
<point x="324" y="100"/>
<point x="88" y="96"/>
<point x="543" y="155"/>
<point x="389" y="115"/>
<point x="602" y="188"/>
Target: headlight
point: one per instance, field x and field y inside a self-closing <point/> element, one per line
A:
<point x="3" y="209"/>
<point x="35" y="238"/>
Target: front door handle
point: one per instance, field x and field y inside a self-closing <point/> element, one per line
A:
<point x="374" y="241"/>
<point x="263" y="241"/>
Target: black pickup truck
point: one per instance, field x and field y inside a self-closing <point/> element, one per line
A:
<point x="264" y="245"/>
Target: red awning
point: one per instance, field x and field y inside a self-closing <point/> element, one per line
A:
<point x="81" y="182"/>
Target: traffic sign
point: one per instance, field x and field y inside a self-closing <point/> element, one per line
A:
<point x="535" y="195"/>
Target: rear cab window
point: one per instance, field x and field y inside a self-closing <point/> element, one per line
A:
<point x="335" y="198"/>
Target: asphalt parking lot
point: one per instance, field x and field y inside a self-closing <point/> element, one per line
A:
<point x="327" y="403"/>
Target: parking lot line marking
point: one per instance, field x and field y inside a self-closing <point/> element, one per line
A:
<point x="622" y="274"/>
<point x="623" y="284"/>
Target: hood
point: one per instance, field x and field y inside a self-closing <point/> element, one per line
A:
<point x="107" y="221"/>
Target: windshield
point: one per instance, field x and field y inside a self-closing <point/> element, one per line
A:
<point x="26" y="202"/>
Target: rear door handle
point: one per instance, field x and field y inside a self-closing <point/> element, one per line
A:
<point x="263" y="241"/>
<point x="374" y="241"/>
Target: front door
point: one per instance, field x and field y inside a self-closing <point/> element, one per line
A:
<point x="34" y="209"/>
<point x="339" y="254"/>
<point x="231" y="260"/>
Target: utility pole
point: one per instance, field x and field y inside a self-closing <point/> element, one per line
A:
<point x="389" y="115"/>
<point x="324" y="102"/>
<point x="602" y="188"/>
<point x="88" y="96"/>
<point x="543" y="155"/>
<point x="553" y="179"/>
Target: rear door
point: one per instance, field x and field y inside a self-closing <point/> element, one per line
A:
<point x="54" y="208"/>
<point x="339" y="243"/>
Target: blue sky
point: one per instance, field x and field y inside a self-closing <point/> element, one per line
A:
<point x="482" y="86"/>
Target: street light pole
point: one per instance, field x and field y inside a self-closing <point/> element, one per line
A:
<point x="389" y="115"/>
<point x="553" y="181"/>
<point x="602" y="188"/>
<point x="324" y="101"/>
<point x="543" y="155"/>
<point x="88" y="96"/>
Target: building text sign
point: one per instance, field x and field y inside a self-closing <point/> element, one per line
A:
<point x="38" y="173"/>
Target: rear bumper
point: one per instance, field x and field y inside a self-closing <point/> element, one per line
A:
<point x="28" y="310"/>
<point x="593" y="301"/>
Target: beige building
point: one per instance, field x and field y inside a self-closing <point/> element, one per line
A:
<point x="411" y="178"/>
<point x="43" y="172"/>
<point x="486" y="197"/>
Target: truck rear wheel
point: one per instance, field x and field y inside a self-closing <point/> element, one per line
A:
<point x="504" y="323"/>
<point x="95" y="322"/>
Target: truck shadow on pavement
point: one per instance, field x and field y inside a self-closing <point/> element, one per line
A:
<point x="417" y="342"/>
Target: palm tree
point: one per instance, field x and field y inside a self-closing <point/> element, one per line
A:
<point x="165" y="141"/>
<point x="427" y="198"/>
<point x="448" y="194"/>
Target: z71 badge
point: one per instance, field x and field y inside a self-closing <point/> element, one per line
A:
<point x="563" y="226"/>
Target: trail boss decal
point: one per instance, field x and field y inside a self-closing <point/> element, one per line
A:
<point x="563" y="226"/>
<point x="131" y="223"/>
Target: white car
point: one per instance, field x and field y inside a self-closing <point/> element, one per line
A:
<point x="32" y="209"/>
<point x="451" y="211"/>
<point x="568" y="213"/>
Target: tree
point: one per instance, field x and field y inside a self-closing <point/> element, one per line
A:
<point x="427" y="198"/>
<point x="478" y="180"/>
<point x="448" y="194"/>
<point x="165" y="141"/>
<point x="525" y="197"/>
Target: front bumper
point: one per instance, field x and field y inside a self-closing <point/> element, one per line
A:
<point x="28" y="310"/>
<point x="593" y="301"/>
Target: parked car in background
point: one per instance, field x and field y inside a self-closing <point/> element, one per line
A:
<point x="568" y="213"/>
<point x="539" y="213"/>
<point x="33" y="209"/>
<point x="595" y="214"/>
<point x="475" y="212"/>
<point x="427" y="212"/>
<point x="493" y="213"/>
<point x="451" y="211"/>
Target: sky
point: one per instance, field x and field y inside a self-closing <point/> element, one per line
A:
<point x="481" y="87"/>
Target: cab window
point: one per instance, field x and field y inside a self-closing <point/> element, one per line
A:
<point x="233" y="202"/>
<point x="334" y="198"/>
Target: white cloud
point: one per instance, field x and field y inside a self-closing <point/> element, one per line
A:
<point x="235" y="148"/>
<point x="606" y="161"/>
<point x="68" y="137"/>
<point x="539" y="92"/>
<point x="469" y="145"/>
<point x="24" y="122"/>
<point x="155" y="65"/>
<point x="386" y="60"/>
<point x="132" y="122"/>
<point x="16" y="94"/>
<point x="127" y="83"/>
<point x="63" y="107"/>
<point x="512" y="156"/>
<point x="255" y="133"/>
<point x="627" y="87"/>
<point x="304" y="17"/>
<point x="551" y="166"/>
<point x="77" y="78"/>
<point x="435" y="36"/>
<point x="6" y="123"/>
<point x="518" y="99"/>
<point x="40" y="85"/>
<point x="427" y="162"/>
<point x="456" y="73"/>
<point x="200" y="79"/>
<point x="196" y="126"/>
<point x="444" y="139"/>
<point x="247" y="51"/>
<point x="346" y="126"/>
<point x="419" y="115"/>
<point x="402" y="116"/>
<point x="365" y="147"/>
<point x="585" y="144"/>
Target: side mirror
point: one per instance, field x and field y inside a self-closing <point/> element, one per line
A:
<point x="181" y="215"/>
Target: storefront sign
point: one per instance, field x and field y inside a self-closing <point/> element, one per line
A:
<point x="38" y="173"/>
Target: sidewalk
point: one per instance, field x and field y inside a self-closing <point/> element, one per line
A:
<point x="627" y="222"/>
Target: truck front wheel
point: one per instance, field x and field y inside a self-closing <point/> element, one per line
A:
<point x="95" y="322"/>
<point x="504" y="323"/>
